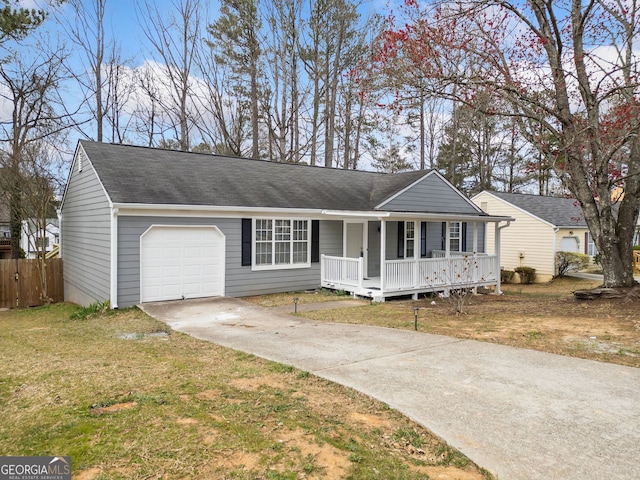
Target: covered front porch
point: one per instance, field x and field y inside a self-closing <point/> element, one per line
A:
<point x="407" y="254"/>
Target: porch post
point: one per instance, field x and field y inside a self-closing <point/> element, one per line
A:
<point x="475" y="238"/>
<point x="383" y="249"/>
<point x="447" y="239"/>
<point x="497" y="259"/>
<point x="475" y="256"/>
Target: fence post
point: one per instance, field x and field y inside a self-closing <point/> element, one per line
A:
<point x="17" y="279"/>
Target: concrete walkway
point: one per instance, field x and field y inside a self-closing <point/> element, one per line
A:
<point x="519" y="413"/>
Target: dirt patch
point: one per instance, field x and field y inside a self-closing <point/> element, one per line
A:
<point x="253" y="384"/>
<point x="187" y="421"/>
<point x="89" y="474"/>
<point x="118" y="407"/>
<point x="449" y="473"/>
<point x="233" y="459"/>
<point x="209" y="394"/>
<point x="331" y="462"/>
<point x="373" y="421"/>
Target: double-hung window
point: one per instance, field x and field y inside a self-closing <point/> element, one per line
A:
<point x="409" y="239"/>
<point x="455" y="237"/>
<point x="281" y="243"/>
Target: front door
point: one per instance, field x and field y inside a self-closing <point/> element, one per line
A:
<point x="355" y="242"/>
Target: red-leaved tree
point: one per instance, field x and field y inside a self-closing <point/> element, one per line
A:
<point x="567" y="71"/>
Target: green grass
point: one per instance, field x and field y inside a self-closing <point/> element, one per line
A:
<point x="193" y="409"/>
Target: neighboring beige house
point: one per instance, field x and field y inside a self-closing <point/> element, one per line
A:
<point x="542" y="227"/>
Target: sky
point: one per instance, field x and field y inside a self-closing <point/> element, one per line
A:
<point x="122" y="24"/>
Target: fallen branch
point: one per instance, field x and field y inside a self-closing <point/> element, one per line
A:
<point x="627" y="295"/>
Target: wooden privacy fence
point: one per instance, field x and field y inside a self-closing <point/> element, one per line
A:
<point x="20" y="284"/>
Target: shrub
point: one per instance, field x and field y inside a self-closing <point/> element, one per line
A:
<point x="87" y="312"/>
<point x="570" y="262"/>
<point x="597" y="260"/>
<point x="527" y="274"/>
<point x="506" y="276"/>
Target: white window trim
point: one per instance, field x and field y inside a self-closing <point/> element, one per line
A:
<point x="416" y="233"/>
<point x="459" y="237"/>
<point x="286" y="266"/>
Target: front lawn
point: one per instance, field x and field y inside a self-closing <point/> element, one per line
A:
<point x="543" y="317"/>
<point x="127" y="398"/>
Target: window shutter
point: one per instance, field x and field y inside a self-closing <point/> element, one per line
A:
<point x="586" y="243"/>
<point x="315" y="241"/>
<point x="400" y="239"/>
<point x="246" y="242"/>
<point x="464" y="236"/>
<point x="444" y="236"/>
<point x="423" y="239"/>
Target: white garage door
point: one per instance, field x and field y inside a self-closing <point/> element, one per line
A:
<point x="181" y="262"/>
<point x="569" y="244"/>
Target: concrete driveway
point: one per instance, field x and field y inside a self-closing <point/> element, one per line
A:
<point x="520" y="414"/>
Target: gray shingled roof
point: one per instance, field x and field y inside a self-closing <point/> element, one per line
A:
<point x="558" y="211"/>
<point x="150" y="176"/>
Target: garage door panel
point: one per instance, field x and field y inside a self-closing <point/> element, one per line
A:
<point x="181" y="262"/>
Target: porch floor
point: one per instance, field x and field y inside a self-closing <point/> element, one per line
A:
<point x="371" y="289"/>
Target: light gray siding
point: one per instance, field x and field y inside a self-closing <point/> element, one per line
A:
<point x="435" y="240"/>
<point x="86" y="238"/>
<point x="239" y="281"/>
<point x="391" y="241"/>
<point x="432" y="195"/>
<point x="434" y="237"/>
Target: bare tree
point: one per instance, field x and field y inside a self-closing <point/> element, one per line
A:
<point x="30" y="90"/>
<point x="40" y="168"/>
<point x="174" y="39"/>
<point x="120" y="86"/>
<point x="568" y="68"/>
<point x="227" y="126"/>
<point x="283" y="97"/>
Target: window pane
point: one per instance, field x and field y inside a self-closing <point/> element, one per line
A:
<point x="409" y="248"/>
<point x="283" y="230"/>
<point x="263" y="230"/>
<point x="300" y="230"/>
<point x="410" y="229"/>
<point x="282" y="253"/>
<point x="263" y="253"/>
<point x="300" y="252"/>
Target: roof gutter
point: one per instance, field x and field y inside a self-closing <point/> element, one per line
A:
<point x="145" y="208"/>
<point x="439" y="217"/>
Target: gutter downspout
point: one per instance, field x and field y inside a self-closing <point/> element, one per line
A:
<point x="497" y="240"/>
<point x="555" y="245"/>
<point x="59" y="212"/>
<point x="113" y="293"/>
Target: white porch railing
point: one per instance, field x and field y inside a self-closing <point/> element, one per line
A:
<point x="443" y="254"/>
<point x="459" y="271"/>
<point x="414" y="274"/>
<point x="342" y="271"/>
